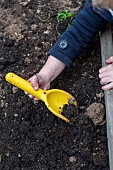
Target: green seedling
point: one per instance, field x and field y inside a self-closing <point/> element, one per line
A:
<point x="63" y="15"/>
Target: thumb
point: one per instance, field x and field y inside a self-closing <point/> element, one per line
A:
<point x="109" y="60"/>
<point x="34" y="82"/>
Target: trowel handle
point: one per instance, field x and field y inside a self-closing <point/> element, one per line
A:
<point x="24" y="85"/>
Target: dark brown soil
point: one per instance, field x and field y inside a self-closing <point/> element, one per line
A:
<point x="31" y="137"/>
<point x="70" y="111"/>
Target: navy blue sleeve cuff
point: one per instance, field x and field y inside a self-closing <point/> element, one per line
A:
<point x="63" y="49"/>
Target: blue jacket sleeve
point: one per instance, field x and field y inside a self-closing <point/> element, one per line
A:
<point x="77" y="37"/>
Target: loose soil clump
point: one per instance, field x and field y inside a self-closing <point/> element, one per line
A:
<point x="70" y="111"/>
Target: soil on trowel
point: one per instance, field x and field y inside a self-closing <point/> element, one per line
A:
<point x="70" y="111"/>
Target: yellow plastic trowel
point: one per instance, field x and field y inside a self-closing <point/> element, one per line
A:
<point x="54" y="99"/>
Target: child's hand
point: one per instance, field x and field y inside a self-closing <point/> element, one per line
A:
<point x="52" y="68"/>
<point x="38" y="81"/>
<point x="106" y="75"/>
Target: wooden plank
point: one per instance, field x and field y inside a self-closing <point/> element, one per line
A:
<point x="106" y="51"/>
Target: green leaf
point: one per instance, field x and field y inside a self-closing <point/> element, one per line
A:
<point x="71" y="15"/>
<point x="64" y="12"/>
<point x="61" y="17"/>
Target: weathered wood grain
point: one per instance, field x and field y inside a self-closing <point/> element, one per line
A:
<point x="106" y="51"/>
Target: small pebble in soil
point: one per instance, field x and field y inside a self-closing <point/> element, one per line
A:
<point x="14" y="89"/>
<point x="15" y="115"/>
<point x="72" y="159"/>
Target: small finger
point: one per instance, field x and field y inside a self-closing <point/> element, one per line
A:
<point x="36" y="99"/>
<point x="102" y="69"/>
<point x="34" y="82"/>
<point x="103" y="74"/>
<point x="26" y="93"/>
<point x="108" y="86"/>
<point x="105" y="80"/>
<point x="30" y="96"/>
<point x="106" y="69"/>
<point x="110" y="60"/>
